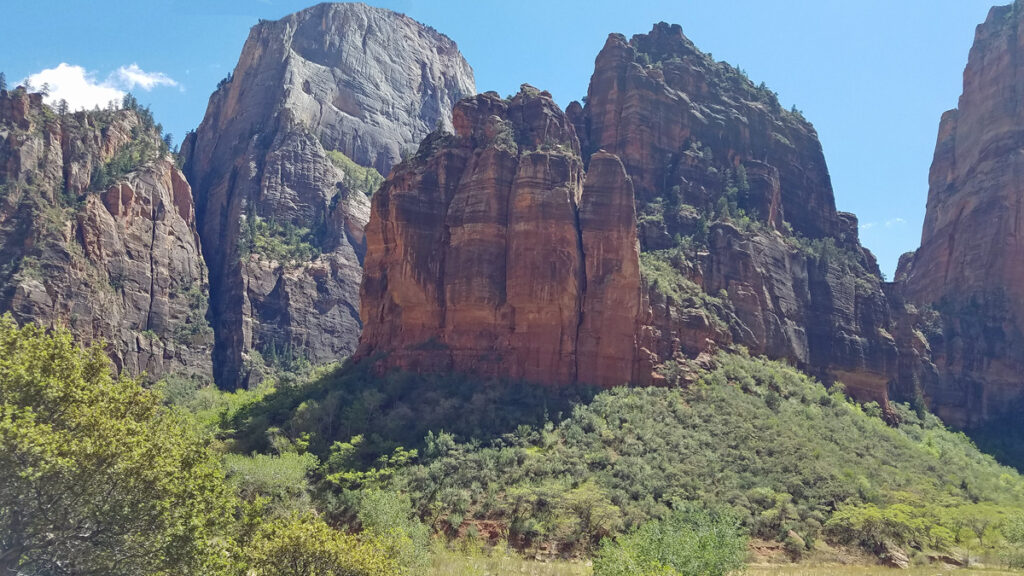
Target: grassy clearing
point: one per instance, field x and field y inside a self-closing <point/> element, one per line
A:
<point x="454" y="564"/>
<point x="835" y="570"/>
<point x="451" y="563"/>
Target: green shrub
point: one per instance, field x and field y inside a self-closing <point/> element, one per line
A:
<point x="691" y="542"/>
<point x="306" y="546"/>
<point x="388" y="518"/>
<point x="282" y="480"/>
<point x="872" y="527"/>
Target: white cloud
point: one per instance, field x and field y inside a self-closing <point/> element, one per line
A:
<point x="867" y="225"/>
<point x="894" y="222"/>
<point x="132" y="76"/>
<point x="74" y="84"/>
<point x="81" y="89"/>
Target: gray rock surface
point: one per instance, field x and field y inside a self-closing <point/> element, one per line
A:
<point x="364" y="82"/>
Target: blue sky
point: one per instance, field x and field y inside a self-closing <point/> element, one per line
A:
<point x="872" y="75"/>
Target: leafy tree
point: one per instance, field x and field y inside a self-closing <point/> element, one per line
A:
<point x="1013" y="531"/>
<point x="96" y="477"/>
<point x="873" y="528"/>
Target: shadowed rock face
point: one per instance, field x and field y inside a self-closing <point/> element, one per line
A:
<point x="491" y="252"/>
<point x="703" y="144"/>
<point x="284" y="222"/>
<point x="119" y="262"/>
<point x="970" y="266"/>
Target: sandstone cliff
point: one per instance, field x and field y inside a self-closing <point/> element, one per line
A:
<point x="733" y="192"/>
<point x="277" y="166"/>
<point x="965" y="285"/>
<point x="499" y="252"/>
<point x="97" y="233"/>
<point x="490" y="252"/>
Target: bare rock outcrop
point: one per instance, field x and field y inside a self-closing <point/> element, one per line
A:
<point x="279" y="165"/>
<point x="491" y="252"/>
<point x="966" y="281"/>
<point x="97" y="233"/>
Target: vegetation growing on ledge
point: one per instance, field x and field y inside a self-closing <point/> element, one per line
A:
<point x="661" y="271"/>
<point x="148" y="143"/>
<point x="284" y="242"/>
<point x="364" y="179"/>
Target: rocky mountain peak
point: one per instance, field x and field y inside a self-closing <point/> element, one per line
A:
<point x="321" y="105"/>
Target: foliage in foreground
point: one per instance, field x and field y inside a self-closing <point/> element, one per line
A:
<point x="690" y="542"/>
<point x="95" y="476"/>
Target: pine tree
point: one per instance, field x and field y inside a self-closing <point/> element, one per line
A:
<point x="3" y="81"/>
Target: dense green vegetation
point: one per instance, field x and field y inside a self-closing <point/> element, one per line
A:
<point x="97" y="476"/>
<point x="282" y="242"/>
<point x="754" y="438"/>
<point x="365" y="179"/>
<point x="348" y="472"/>
<point x="690" y="542"/>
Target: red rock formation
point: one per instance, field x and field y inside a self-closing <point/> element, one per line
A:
<point x="970" y="266"/>
<point x="476" y="262"/>
<point x="607" y="339"/>
<point x="483" y="249"/>
<point x="703" y="144"/>
<point x="652" y="97"/>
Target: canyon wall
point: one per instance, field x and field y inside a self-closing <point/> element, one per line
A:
<point x="321" y="103"/>
<point x="494" y="250"/>
<point x="966" y="281"/>
<point x="97" y="233"/>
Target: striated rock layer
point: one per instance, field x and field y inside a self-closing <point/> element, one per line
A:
<point x="740" y="187"/>
<point x="116" y="258"/>
<point x="276" y="168"/>
<point x="491" y="252"/>
<point x="969" y="271"/>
